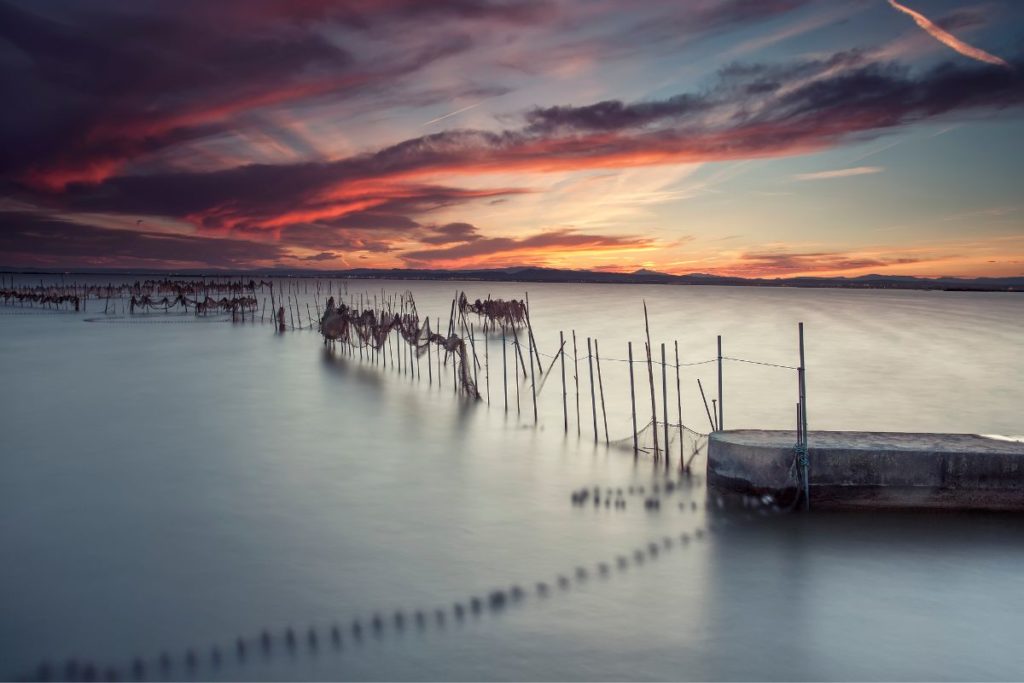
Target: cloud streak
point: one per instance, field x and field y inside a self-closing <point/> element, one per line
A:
<point x="948" y="39"/>
<point x="840" y="173"/>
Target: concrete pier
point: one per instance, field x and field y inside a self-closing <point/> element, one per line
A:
<point x="873" y="469"/>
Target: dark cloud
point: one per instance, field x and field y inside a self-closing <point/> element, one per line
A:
<point x="325" y="237"/>
<point x="450" y="233"/>
<point x="750" y="111"/>
<point x="497" y="247"/>
<point x="92" y="87"/>
<point x="322" y="256"/>
<point x="29" y="239"/>
<point x="786" y="263"/>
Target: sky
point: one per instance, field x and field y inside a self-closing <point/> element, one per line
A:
<point x="759" y="138"/>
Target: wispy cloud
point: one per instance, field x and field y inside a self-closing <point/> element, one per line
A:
<point x="948" y="39"/>
<point x="840" y="173"/>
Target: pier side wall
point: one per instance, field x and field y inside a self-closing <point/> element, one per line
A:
<point x="863" y="469"/>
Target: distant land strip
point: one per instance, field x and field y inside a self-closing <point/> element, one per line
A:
<point x="554" y="275"/>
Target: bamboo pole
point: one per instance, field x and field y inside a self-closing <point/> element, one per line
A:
<point x="679" y="406"/>
<point x="664" y="399"/>
<point x="593" y="402"/>
<point x="600" y="385"/>
<point x="632" y="400"/>
<point x="650" y="379"/>
<point x="561" y="356"/>
<point x="576" y="380"/>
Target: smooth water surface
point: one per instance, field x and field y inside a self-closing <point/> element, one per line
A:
<point x="169" y="485"/>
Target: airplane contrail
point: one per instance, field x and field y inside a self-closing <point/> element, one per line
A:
<point x="948" y="39"/>
<point x="459" y="111"/>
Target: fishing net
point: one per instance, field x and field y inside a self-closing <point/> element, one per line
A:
<point x="684" y="444"/>
<point x="512" y="313"/>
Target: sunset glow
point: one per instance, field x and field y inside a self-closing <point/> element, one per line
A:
<point x="761" y="139"/>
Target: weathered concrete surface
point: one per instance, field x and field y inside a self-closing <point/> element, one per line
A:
<point x="874" y="469"/>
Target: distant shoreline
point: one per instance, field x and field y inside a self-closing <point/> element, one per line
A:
<point x="550" y="275"/>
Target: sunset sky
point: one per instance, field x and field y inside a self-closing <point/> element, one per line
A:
<point x="757" y="138"/>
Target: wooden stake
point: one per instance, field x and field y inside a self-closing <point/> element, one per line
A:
<point x="487" y="364"/>
<point x="654" y="407"/>
<point x="430" y="368"/>
<point x="600" y="385"/>
<point x="504" y="368"/>
<point x="561" y="356"/>
<point x="664" y="399"/>
<point x="576" y="380"/>
<point x="650" y="379"/>
<point x="679" y="406"/>
<point x="706" y="409"/>
<point x="593" y="402"/>
<point x="721" y="405"/>
<point x="632" y="400"/>
<point x="533" y="381"/>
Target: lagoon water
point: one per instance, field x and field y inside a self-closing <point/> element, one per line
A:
<point x="169" y="485"/>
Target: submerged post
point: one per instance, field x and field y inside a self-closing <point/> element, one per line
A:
<point x="565" y="405"/>
<point x="721" y="415"/>
<point x="632" y="400"/>
<point x="593" y="401"/>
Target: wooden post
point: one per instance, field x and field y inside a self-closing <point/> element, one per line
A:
<point x="593" y="402"/>
<point x="561" y="356"/>
<point x="504" y="367"/>
<point x="517" y="359"/>
<point x="650" y="380"/>
<point x="664" y="399"/>
<point x="654" y="406"/>
<point x="706" y="409"/>
<point x="679" y="406"/>
<point x="576" y="380"/>
<point x="533" y="382"/>
<point x="600" y="386"/>
<point x="632" y="400"/>
<point x="721" y="408"/>
<point x="430" y="368"/>
<point x="487" y="365"/>
<point x="533" y="340"/>
<point x="803" y="420"/>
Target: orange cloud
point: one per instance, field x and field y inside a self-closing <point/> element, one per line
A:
<point x="948" y="39"/>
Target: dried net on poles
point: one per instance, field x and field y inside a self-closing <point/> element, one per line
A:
<point x="495" y="312"/>
<point x="371" y="329"/>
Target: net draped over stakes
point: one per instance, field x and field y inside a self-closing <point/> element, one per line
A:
<point x="371" y="329"/>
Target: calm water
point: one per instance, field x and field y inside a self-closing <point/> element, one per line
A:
<point x="176" y="485"/>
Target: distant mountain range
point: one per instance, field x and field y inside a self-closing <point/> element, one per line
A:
<point x="643" y="276"/>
